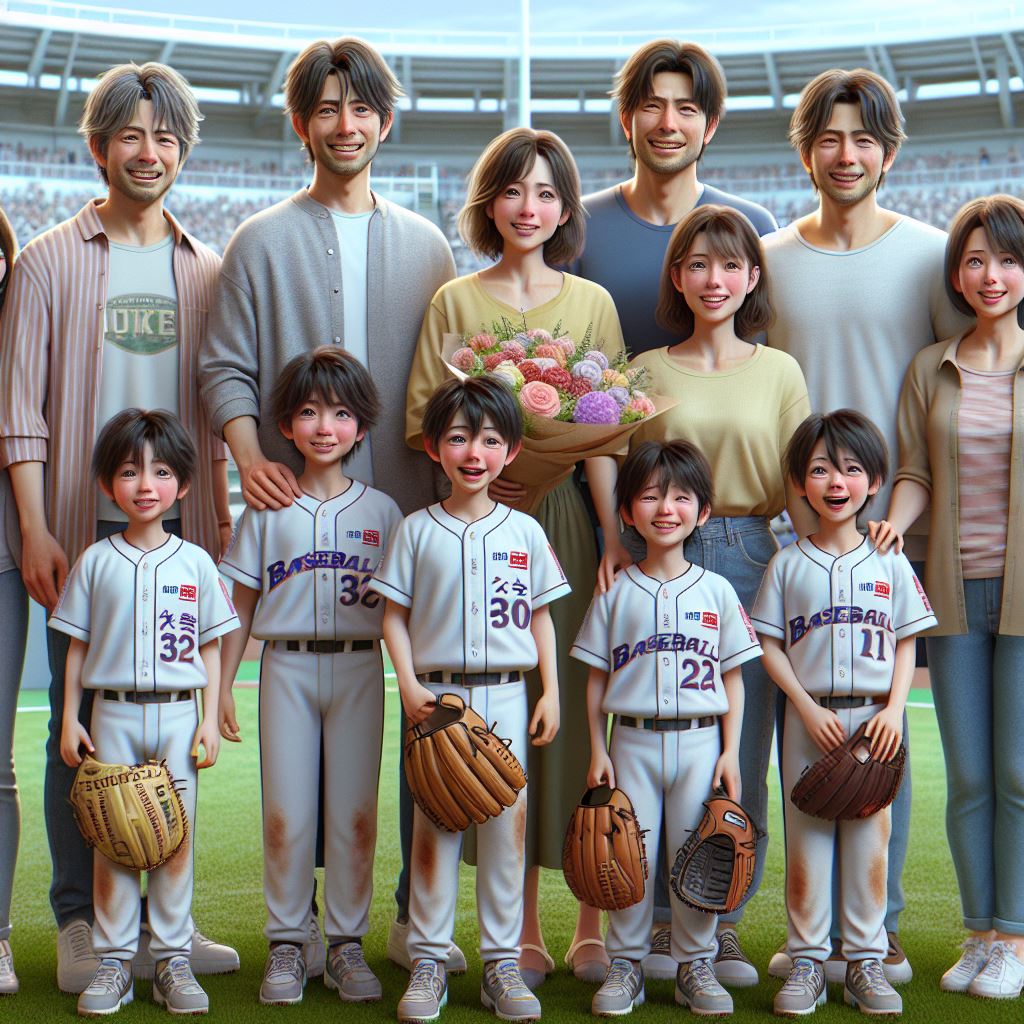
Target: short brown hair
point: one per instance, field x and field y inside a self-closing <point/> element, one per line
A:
<point x="111" y="105"/>
<point x="477" y="398"/>
<point x="879" y="109"/>
<point x="125" y="435"/>
<point x="359" y="67"/>
<point x="728" y="234"/>
<point x="843" y="429"/>
<point x="667" y="462"/>
<point x="329" y="374"/>
<point x="1001" y="217"/>
<point x="509" y="158"/>
<point x="634" y="82"/>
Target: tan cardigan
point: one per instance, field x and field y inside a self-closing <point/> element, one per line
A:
<point x="929" y="451"/>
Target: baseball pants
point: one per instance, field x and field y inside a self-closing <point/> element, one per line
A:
<point x="303" y="697"/>
<point x="128" y="733"/>
<point x="860" y="848"/>
<point x="434" y="869"/>
<point x="670" y="773"/>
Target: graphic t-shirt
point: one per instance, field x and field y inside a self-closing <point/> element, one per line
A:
<point x="140" y="341"/>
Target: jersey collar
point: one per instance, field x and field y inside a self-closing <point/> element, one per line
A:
<point x="335" y="504"/>
<point x="136" y="555"/>
<point x="457" y="526"/>
<point x="651" y="585"/>
<point x="826" y="560"/>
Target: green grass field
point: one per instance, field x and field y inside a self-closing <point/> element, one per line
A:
<point x="228" y="901"/>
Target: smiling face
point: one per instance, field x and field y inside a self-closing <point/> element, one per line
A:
<point x="668" y="131"/>
<point x="323" y="432"/>
<point x="142" y="159"/>
<point x="471" y="461"/>
<point x="144" y="489"/>
<point x="343" y="133"/>
<point x="836" y="493"/>
<point x="845" y="161"/>
<point x="713" y="286"/>
<point x="665" y="517"/>
<point x="991" y="282"/>
<point x="529" y="211"/>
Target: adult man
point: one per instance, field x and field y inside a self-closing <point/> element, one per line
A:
<point x="857" y="291"/>
<point x="105" y="311"/>
<point x="336" y="263"/>
<point x="671" y="98"/>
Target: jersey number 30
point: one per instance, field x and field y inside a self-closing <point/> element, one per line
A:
<point x="502" y="612"/>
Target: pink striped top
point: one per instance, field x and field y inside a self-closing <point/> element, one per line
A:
<point x="51" y="358"/>
<point x="984" y="434"/>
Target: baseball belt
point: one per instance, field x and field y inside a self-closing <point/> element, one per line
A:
<point x="842" y="703"/>
<point x="324" y="646"/>
<point x="469" y="679"/>
<point x="666" y="724"/>
<point x="148" y="697"/>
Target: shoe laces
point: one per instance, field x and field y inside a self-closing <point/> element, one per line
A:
<point x="975" y="950"/>
<point x="804" y="969"/>
<point x="702" y="974"/>
<point x="506" y="973"/>
<point x="285" y="959"/>
<point x="873" y="975"/>
<point x="351" y="955"/>
<point x="177" y="973"/>
<point x="997" y="951"/>
<point x="109" y="976"/>
<point x="424" y="972"/>
<point x="6" y="958"/>
<point x="620" y="973"/>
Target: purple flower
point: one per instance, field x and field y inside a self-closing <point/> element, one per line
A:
<point x="597" y="407"/>
<point x="588" y="370"/>
<point x="598" y="357"/>
<point x="621" y="395"/>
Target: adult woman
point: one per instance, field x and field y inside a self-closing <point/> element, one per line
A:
<point x="523" y="209"/>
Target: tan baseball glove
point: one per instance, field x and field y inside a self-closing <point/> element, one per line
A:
<point x="603" y="859"/>
<point x="715" y="866"/>
<point x="458" y="770"/>
<point x="131" y="814"/>
<point x="848" y="782"/>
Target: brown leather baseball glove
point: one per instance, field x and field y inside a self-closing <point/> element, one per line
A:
<point x="458" y="770"/>
<point x="848" y="782"/>
<point x="604" y="859"/>
<point x="131" y="814"/>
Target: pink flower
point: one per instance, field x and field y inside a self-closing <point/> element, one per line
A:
<point x="540" y="399"/>
<point x="530" y="370"/>
<point x="615" y="379"/>
<point x="557" y="378"/>
<point x="539" y="335"/>
<point x="513" y="350"/>
<point x="482" y="342"/>
<point x="597" y="407"/>
<point x="494" y="360"/>
<point x="463" y="359"/>
<point x="555" y="352"/>
<point x="642" y="405"/>
<point x="580" y="386"/>
<point x="565" y="342"/>
<point x="543" y="364"/>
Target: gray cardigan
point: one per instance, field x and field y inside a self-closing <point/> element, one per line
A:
<point x="279" y="294"/>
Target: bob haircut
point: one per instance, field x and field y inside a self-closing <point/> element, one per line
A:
<point x="9" y="250"/>
<point x="509" y="158"/>
<point x="360" y="70"/>
<point x="843" y="429"/>
<point x="1001" y="217"/>
<point x="329" y="374"/>
<point x="668" y="464"/>
<point x="111" y="105"/>
<point x="728" y="234"/>
<point x="634" y="83"/>
<point x="123" y="437"/>
<point x="879" y="109"/>
<point x="477" y="398"/>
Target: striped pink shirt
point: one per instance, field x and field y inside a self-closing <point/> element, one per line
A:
<point x="51" y="358"/>
<point x="984" y="434"/>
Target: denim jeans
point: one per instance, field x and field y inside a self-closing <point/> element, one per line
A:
<point x="738" y="548"/>
<point x="979" y="703"/>
<point x="71" y="886"/>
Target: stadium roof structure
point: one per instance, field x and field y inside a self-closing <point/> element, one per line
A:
<point x="55" y="50"/>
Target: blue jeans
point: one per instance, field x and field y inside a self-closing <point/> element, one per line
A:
<point x="979" y="704"/>
<point x="738" y="548"/>
<point x="71" y="886"/>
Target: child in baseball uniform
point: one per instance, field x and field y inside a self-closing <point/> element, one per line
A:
<point x="144" y="610"/>
<point x="301" y="575"/>
<point x="665" y="644"/>
<point x="837" y="620"/>
<point x="468" y="582"/>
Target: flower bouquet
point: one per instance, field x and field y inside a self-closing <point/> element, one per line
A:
<point x="577" y="401"/>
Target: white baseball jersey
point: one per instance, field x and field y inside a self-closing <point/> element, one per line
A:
<point x="471" y="588"/>
<point x="666" y="645"/>
<point x="144" y="614"/>
<point x="311" y="562"/>
<point x="840" y="617"/>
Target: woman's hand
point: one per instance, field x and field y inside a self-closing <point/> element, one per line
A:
<point x="615" y="557"/>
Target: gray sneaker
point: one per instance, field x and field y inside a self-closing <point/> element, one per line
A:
<point x="658" y="964"/>
<point x="504" y="991"/>
<point x="398" y="950"/>
<point x="425" y="994"/>
<point x="8" y="979"/>
<point x="284" y="977"/>
<point x="804" y="990"/>
<point x="77" y="964"/>
<point x="868" y="988"/>
<point x="176" y="987"/>
<point x="623" y="989"/>
<point x="698" y="988"/>
<point x="348" y="975"/>
<point x="732" y="966"/>
<point x="207" y="956"/>
<point x="110" y="989"/>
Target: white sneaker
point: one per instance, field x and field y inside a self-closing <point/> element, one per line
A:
<point x="8" y="979"/>
<point x="109" y="989"/>
<point x="77" y="964"/>
<point x="1002" y="977"/>
<point x="398" y="950"/>
<point x="967" y="968"/>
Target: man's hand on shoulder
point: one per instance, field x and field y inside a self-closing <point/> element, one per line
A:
<point x="267" y="484"/>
